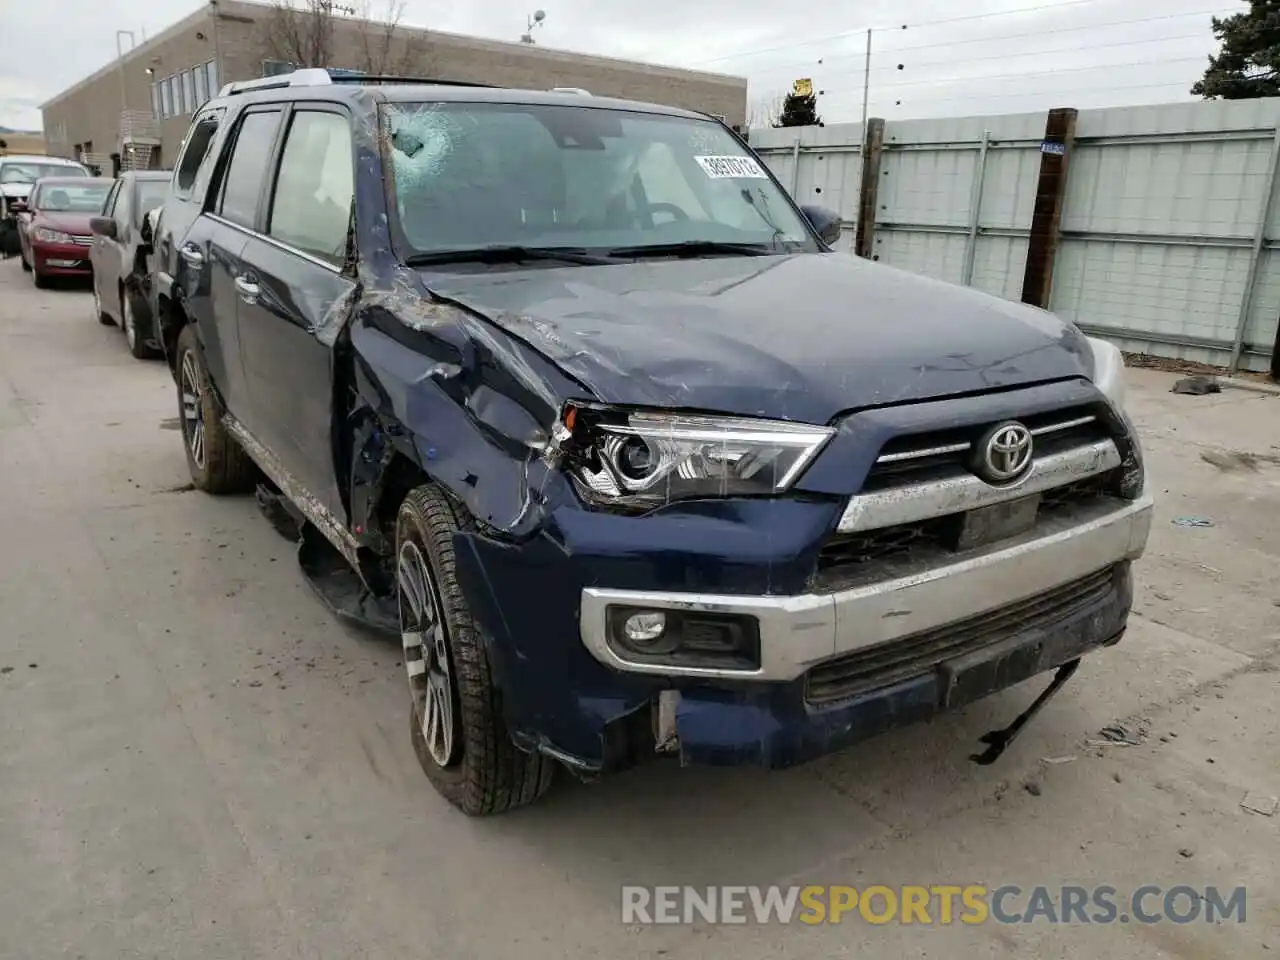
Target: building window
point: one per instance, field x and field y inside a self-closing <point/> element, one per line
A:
<point x="166" y="96"/>
<point x="188" y="92"/>
<point x="211" y="68"/>
<point x="202" y="85"/>
<point x="157" y="107"/>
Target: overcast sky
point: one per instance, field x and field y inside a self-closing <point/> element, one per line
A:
<point x="989" y="56"/>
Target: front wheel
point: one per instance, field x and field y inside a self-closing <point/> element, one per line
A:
<point x="216" y="462"/>
<point x="456" y="720"/>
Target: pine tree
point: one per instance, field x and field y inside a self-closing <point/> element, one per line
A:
<point x="799" y="111"/>
<point x="1248" y="65"/>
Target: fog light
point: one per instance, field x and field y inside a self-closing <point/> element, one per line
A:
<point x="645" y="627"/>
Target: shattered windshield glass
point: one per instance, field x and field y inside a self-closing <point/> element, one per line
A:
<point x="469" y="175"/>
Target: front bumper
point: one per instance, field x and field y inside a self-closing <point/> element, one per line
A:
<point x="568" y="692"/>
<point x="797" y="632"/>
<point x="61" y="259"/>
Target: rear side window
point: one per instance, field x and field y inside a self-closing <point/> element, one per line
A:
<point x="198" y="143"/>
<point x="311" y="208"/>
<point x="242" y="185"/>
<point x="109" y="207"/>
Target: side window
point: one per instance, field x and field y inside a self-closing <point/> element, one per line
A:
<point x="311" y="208"/>
<point x="242" y="184"/>
<point x="33" y="201"/>
<point x="199" y="140"/>
<point x="109" y="205"/>
<point x="123" y="203"/>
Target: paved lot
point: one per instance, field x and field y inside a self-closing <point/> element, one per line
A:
<point x="197" y="762"/>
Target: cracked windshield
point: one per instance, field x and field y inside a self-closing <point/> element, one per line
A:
<point x="471" y="175"/>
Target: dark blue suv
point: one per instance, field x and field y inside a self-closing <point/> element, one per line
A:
<point x="570" y="394"/>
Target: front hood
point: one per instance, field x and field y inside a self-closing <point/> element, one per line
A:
<point x="15" y="191"/>
<point x="801" y="337"/>
<point x="73" y="223"/>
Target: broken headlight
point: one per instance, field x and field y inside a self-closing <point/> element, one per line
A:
<point x="644" y="458"/>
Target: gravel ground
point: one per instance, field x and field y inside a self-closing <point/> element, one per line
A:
<point x="196" y="761"/>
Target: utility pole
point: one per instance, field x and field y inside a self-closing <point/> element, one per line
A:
<point x="214" y="17"/>
<point x="866" y="84"/>
<point x="536" y="20"/>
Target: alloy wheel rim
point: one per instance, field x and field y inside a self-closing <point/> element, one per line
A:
<point x="193" y="409"/>
<point x="426" y="654"/>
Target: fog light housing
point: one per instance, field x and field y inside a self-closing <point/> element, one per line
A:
<point x="685" y="638"/>
<point x="646" y="627"/>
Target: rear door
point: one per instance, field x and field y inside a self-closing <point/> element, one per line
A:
<point x="214" y="246"/>
<point x="104" y="252"/>
<point x="292" y="295"/>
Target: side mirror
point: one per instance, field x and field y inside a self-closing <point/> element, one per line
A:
<point x="17" y="206"/>
<point x="103" y="227"/>
<point x="826" y="223"/>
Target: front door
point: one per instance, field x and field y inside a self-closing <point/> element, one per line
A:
<point x="293" y="293"/>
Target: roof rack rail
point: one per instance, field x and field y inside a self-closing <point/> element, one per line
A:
<point x="430" y="81"/>
<point x="574" y="90"/>
<point x="306" y="77"/>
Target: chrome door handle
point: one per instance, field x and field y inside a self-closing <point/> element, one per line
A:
<point x="191" y="253"/>
<point x="247" y="289"/>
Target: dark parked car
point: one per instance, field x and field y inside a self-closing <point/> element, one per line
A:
<point x="53" y="226"/>
<point x="573" y="393"/>
<point x="119" y="254"/>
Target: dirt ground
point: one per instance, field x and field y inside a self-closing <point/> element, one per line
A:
<point x="196" y="761"/>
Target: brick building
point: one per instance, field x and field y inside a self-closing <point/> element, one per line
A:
<point x="138" y="107"/>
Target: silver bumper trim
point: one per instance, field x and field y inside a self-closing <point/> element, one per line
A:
<point x="923" y="501"/>
<point x="797" y="632"/>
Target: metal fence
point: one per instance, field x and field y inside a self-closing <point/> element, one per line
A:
<point x="1170" y="234"/>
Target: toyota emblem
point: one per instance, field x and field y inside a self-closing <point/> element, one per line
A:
<point x="1003" y="453"/>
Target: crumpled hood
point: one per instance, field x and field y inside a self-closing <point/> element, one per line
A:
<point x="73" y="223"/>
<point x="802" y="337"/>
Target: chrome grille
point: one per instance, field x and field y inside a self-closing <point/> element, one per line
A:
<point x="82" y="241"/>
<point x="916" y="457"/>
<point x="913" y="656"/>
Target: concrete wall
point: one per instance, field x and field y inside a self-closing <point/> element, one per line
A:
<point x="19" y="142"/>
<point x="90" y="110"/>
<point x="1170" y="240"/>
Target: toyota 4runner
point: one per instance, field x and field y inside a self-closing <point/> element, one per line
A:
<point x="570" y="393"/>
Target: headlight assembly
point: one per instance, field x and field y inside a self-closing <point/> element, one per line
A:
<point x="644" y="458"/>
<point x="1108" y="370"/>
<point x="45" y="235"/>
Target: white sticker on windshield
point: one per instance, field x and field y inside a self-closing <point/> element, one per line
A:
<point x="720" y="168"/>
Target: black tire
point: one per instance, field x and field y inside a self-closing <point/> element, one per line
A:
<point x="26" y="267"/>
<point x="486" y="773"/>
<point x="134" y="338"/>
<point x="218" y="464"/>
<point x="103" y="317"/>
<point x="39" y="279"/>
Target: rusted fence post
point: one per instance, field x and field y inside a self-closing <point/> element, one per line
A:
<point x="1055" y="150"/>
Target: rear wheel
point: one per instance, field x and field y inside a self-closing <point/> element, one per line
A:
<point x="26" y="267"/>
<point x="456" y="720"/>
<point x="217" y="463"/>
<point x="103" y="319"/>
<point x="129" y="321"/>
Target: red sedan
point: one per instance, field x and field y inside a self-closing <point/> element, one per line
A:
<point x="54" y="231"/>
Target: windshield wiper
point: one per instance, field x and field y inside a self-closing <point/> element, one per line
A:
<point x="504" y="254"/>
<point x="691" y="248"/>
